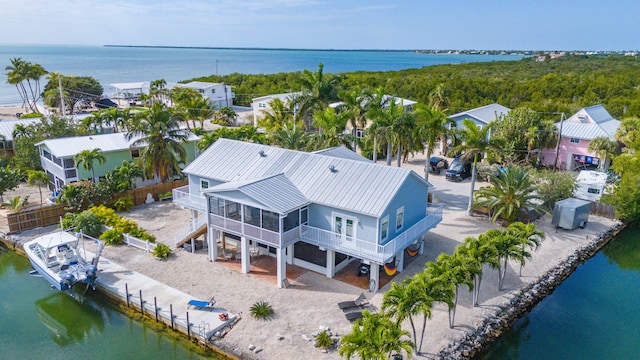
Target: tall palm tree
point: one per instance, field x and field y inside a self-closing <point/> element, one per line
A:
<point x="436" y="288"/>
<point x="38" y="177"/>
<point x="278" y="115"/>
<point x="406" y="300"/>
<point x="318" y="90"/>
<point x="290" y="137"/>
<point x="375" y="107"/>
<point x="355" y="101"/>
<point x="457" y="271"/>
<point x="604" y="147"/>
<point x="432" y="124"/>
<point x="529" y="236"/>
<point x="161" y="141"/>
<point x="375" y="337"/>
<point x="197" y="109"/>
<point x="86" y="159"/>
<point x="629" y="133"/>
<point x="475" y="143"/>
<point x="511" y="189"/>
<point x="508" y="246"/>
<point x="476" y="252"/>
<point x="25" y="76"/>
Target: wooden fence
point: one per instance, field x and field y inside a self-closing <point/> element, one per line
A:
<point x="50" y="215"/>
<point x="33" y="218"/>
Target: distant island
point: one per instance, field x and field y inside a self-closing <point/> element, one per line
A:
<point x="417" y="51"/>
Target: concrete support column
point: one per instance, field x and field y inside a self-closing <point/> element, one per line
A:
<point x="290" y="254"/>
<point x="244" y="249"/>
<point x="400" y="261"/>
<point x="374" y="277"/>
<point x="421" y="252"/>
<point x="212" y="242"/>
<point x="281" y="267"/>
<point x="331" y="263"/>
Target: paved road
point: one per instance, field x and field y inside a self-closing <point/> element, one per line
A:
<point x="455" y="195"/>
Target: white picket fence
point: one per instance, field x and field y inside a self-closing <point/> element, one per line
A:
<point x="145" y="245"/>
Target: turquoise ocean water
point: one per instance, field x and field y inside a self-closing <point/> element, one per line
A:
<point x="593" y="314"/>
<point x="39" y="323"/>
<point x="129" y="64"/>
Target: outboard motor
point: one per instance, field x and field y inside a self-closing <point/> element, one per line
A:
<point x="68" y="278"/>
<point x="91" y="271"/>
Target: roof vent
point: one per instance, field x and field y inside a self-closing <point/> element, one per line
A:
<point x="333" y="169"/>
<point x="262" y="153"/>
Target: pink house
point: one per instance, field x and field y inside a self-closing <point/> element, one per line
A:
<point x="576" y="133"/>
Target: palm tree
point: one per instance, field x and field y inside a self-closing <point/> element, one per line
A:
<point x="436" y="288"/>
<point x="127" y="173"/>
<point x="432" y="125"/>
<point x="529" y="236"/>
<point x="161" y="141"/>
<point x="331" y="127"/>
<point x="20" y="72"/>
<point x="475" y="143"/>
<point x="511" y="189"/>
<point x="604" y="147"/>
<point x="197" y="109"/>
<point x="375" y="337"/>
<point x="37" y="177"/>
<point x="406" y="300"/>
<point x="456" y="270"/>
<point x="629" y="133"/>
<point x="318" y="90"/>
<point x="278" y="114"/>
<point x="290" y="137"/>
<point x="355" y="101"/>
<point x="85" y="158"/>
<point x="507" y="245"/>
<point x="476" y="252"/>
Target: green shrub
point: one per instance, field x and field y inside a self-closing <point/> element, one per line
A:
<point x="323" y="340"/>
<point x="123" y="204"/>
<point x="68" y="221"/>
<point x="125" y="226"/>
<point x="142" y="235"/>
<point x="106" y="215"/>
<point x="165" y="194"/>
<point x="87" y="223"/>
<point x="262" y="310"/>
<point x="162" y="251"/>
<point x="111" y="237"/>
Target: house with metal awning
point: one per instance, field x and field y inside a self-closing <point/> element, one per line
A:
<point x="320" y="211"/>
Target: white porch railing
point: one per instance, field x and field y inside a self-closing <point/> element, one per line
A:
<point x="252" y="231"/>
<point x="194" y="224"/>
<point x="367" y="250"/>
<point x="181" y="196"/>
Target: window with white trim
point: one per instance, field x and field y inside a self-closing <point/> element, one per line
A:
<point x="213" y="91"/>
<point x="262" y="105"/>
<point x="574" y="141"/>
<point x="204" y="184"/>
<point x="399" y="218"/>
<point x="384" y="228"/>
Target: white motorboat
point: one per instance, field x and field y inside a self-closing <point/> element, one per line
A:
<point x="57" y="258"/>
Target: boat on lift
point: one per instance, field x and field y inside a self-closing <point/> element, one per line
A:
<point x="57" y="258"/>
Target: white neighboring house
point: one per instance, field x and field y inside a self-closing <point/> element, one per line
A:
<point x="220" y="94"/>
<point x="262" y="105"/>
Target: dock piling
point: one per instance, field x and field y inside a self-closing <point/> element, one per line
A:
<point x="126" y="291"/>
<point x="155" y="305"/>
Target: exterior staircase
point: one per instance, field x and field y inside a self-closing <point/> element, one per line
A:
<point x="195" y="228"/>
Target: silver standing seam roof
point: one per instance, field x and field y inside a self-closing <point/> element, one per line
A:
<point x="602" y="125"/>
<point x="353" y="185"/>
<point x="70" y="146"/>
<point x="7" y="126"/>
<point x="485" y="114"/>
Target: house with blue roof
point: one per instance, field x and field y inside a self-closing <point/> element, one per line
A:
<point x="481" y="116"/>
<point x="320" y="211"/>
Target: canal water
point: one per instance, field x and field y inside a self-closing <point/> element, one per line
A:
<point x="593" y="314"/>
<point x="39" y="323"/>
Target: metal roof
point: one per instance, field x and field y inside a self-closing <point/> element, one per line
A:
<point x="199" y="85"/>
<point x="286" y="199"/>
<point x="385" y="99"/>
<point x="589" y="123"/>
<point x="485" y="114"/>
<point x="342" y="152"/>
<point x="283" y="97"/>
<point x="7" y="126"/>
<point x="358" y="186"/>
<point x="131" y="85"/>
<point x="70" y="146"/>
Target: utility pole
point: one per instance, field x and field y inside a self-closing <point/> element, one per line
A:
<point x="555" y="162"/>
<point x="61" y="95"/>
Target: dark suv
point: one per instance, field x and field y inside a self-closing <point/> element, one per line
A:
<point x="459" y="170"/>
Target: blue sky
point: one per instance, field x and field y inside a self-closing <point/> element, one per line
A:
<point x="323" y="24"/>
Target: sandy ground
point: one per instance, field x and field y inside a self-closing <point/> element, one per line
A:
<point x="310" y="302"/>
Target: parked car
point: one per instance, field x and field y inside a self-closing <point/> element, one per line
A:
<point x="459" y="169"/>
<point x="436" y="164"/>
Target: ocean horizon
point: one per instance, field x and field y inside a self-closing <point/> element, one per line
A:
<point x="127" y="63"/>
